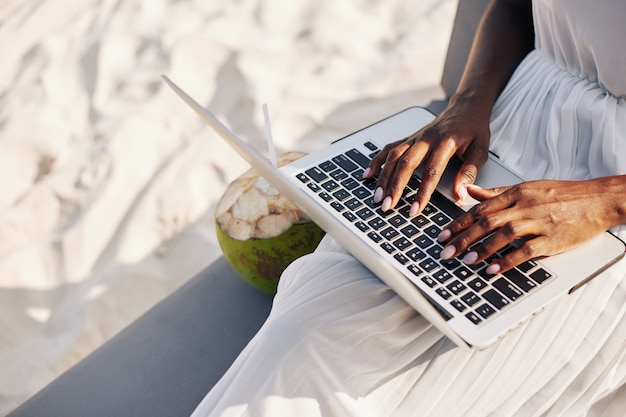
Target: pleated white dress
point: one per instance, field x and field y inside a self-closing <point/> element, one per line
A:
<point x="338" y="342"/>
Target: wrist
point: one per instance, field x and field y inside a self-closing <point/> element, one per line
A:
<point x="615" y="189"/>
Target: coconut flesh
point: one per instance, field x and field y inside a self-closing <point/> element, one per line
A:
<point x="260" y="231"/>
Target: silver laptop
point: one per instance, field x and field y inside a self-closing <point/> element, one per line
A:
<point x="472" y="308"/>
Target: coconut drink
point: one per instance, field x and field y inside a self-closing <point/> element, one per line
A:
<point x="260" y="231"/>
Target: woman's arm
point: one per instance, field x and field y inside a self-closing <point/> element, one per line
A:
<point x="504" y="37"/>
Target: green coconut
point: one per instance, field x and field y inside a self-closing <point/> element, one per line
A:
<point x="260" y="232"/>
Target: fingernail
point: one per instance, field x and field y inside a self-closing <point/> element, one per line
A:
<point x="386" y="204"/>
<point x="493" y="269"/>
<point x="378" y="195"/>
<point x="448" y="252"/>
<point x="366" y="173"/>
<point x="415" y="208"/>
<point x="444" y="235"/>
<point x="462" y="192"/>
<point x="470" y="257"/>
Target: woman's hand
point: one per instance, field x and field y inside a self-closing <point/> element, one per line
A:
<point x="461" y="129"/>
<point x="549" y="216"/>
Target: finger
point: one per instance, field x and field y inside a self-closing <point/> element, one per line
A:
<point x="482" y="194"/>
<point x="466" y="231"/>
<point x="504" y="236"/>
<point x="431" y="174"/>
<point x="380" y="158"/>
<point x="473" y="160"/>
<point x="390" y="153"/>
<point x="397" y="171"/>
<point x="530" y="249"/>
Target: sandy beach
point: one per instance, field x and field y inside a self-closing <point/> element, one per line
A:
<point x="109" y="182"/>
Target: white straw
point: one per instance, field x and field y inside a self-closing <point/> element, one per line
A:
<point x="268" y="136"/>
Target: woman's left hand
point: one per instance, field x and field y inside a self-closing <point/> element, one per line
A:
<point x="549" y="216"/>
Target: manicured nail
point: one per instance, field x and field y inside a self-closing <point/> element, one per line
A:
<point x="386" y="204"/>
<point x="462" y="192"/>
<point x="415" y="208"/>
<point x="378" y="195"/>
<point x="470" y="257"/>
<point x="366" y="173"/>
<point x="448" y="252"/>
<point x="493" y="269"/>
<point x="444" y="235"/>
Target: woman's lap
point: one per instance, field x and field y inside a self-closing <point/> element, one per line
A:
<point x="339" y="342"/>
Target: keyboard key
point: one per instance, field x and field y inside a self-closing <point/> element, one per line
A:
<point x="429" y="210"/>
<point x="527" y="266"/>
<point x="434" y="251"/>
<point x="327" y="166"/>
<point x="520" y="280"/>
<point x="456" y="287"/>
<point x="349" y="216"/>
<point x="429" y="281"/>
<point x="508" y="289"/>
<point x="401" y="258"/>
<point x="450" y="264"/>
<point x="369" y="202"/>
<point x="316" y="173"/>
<point x="358" y="157"/>
<point x="325" y="196"/>
<point x="463" y="273"/>
<point x="361" y="193"/>
<point x="473" y="317"/>
<point x="389" y="233"/>
<point x="337" y="206"/>
<point x="344" y="163"/>
<point x="387" y="247"/>
<point x="358" y="174"/>
<point x="442" y="276"/>
<point x="540" y="275"/>
<point x="330" y="185"/>
<point x="459" y="306"/>
<point x="350" y="183"/>
<point x="377" y="223"/>
<point x="443" y="293"/>
<point x="470" y="298"/>
<point x="496" y="299"/>
<point x="415" y="270"/>
<point x="416" y="254"/>
<point x="375" y="236"/>
<point x="423" y="241"/>
<point x="303" y="178"/>
<point x="432" y="231"/>
<point x="353" y="204"/>
<point x="338" y="175"/>
<point x="397" y="220"/>
<point x="402" y="243"/>
<point x="341" y="194"/>
<point x="372" y="147"/>
<point x="314" y="187"/>
<point x="485" y="310"/>
<point x="362" y="226"/>
<point x="428" y="265"/>
<point x="409" y="230"/>
<point x="365" y="213"/>
<point x="440" y="219"/>
<point x="420" y="221"/>
<point x="477" y="284"/>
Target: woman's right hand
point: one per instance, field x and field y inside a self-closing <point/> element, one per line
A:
<point x="461" y="129"/>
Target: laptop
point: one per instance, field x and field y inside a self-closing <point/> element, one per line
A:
<point x="470" y="307"/>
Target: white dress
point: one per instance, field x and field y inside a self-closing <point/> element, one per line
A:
<point x="338" y="342"/>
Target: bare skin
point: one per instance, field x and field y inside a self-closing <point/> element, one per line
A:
<point x="551" y="216"/>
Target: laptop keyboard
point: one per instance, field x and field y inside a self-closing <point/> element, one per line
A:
<point x="411" y="243"/>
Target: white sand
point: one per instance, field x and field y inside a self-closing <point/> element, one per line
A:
<point x="108" y="182"/>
